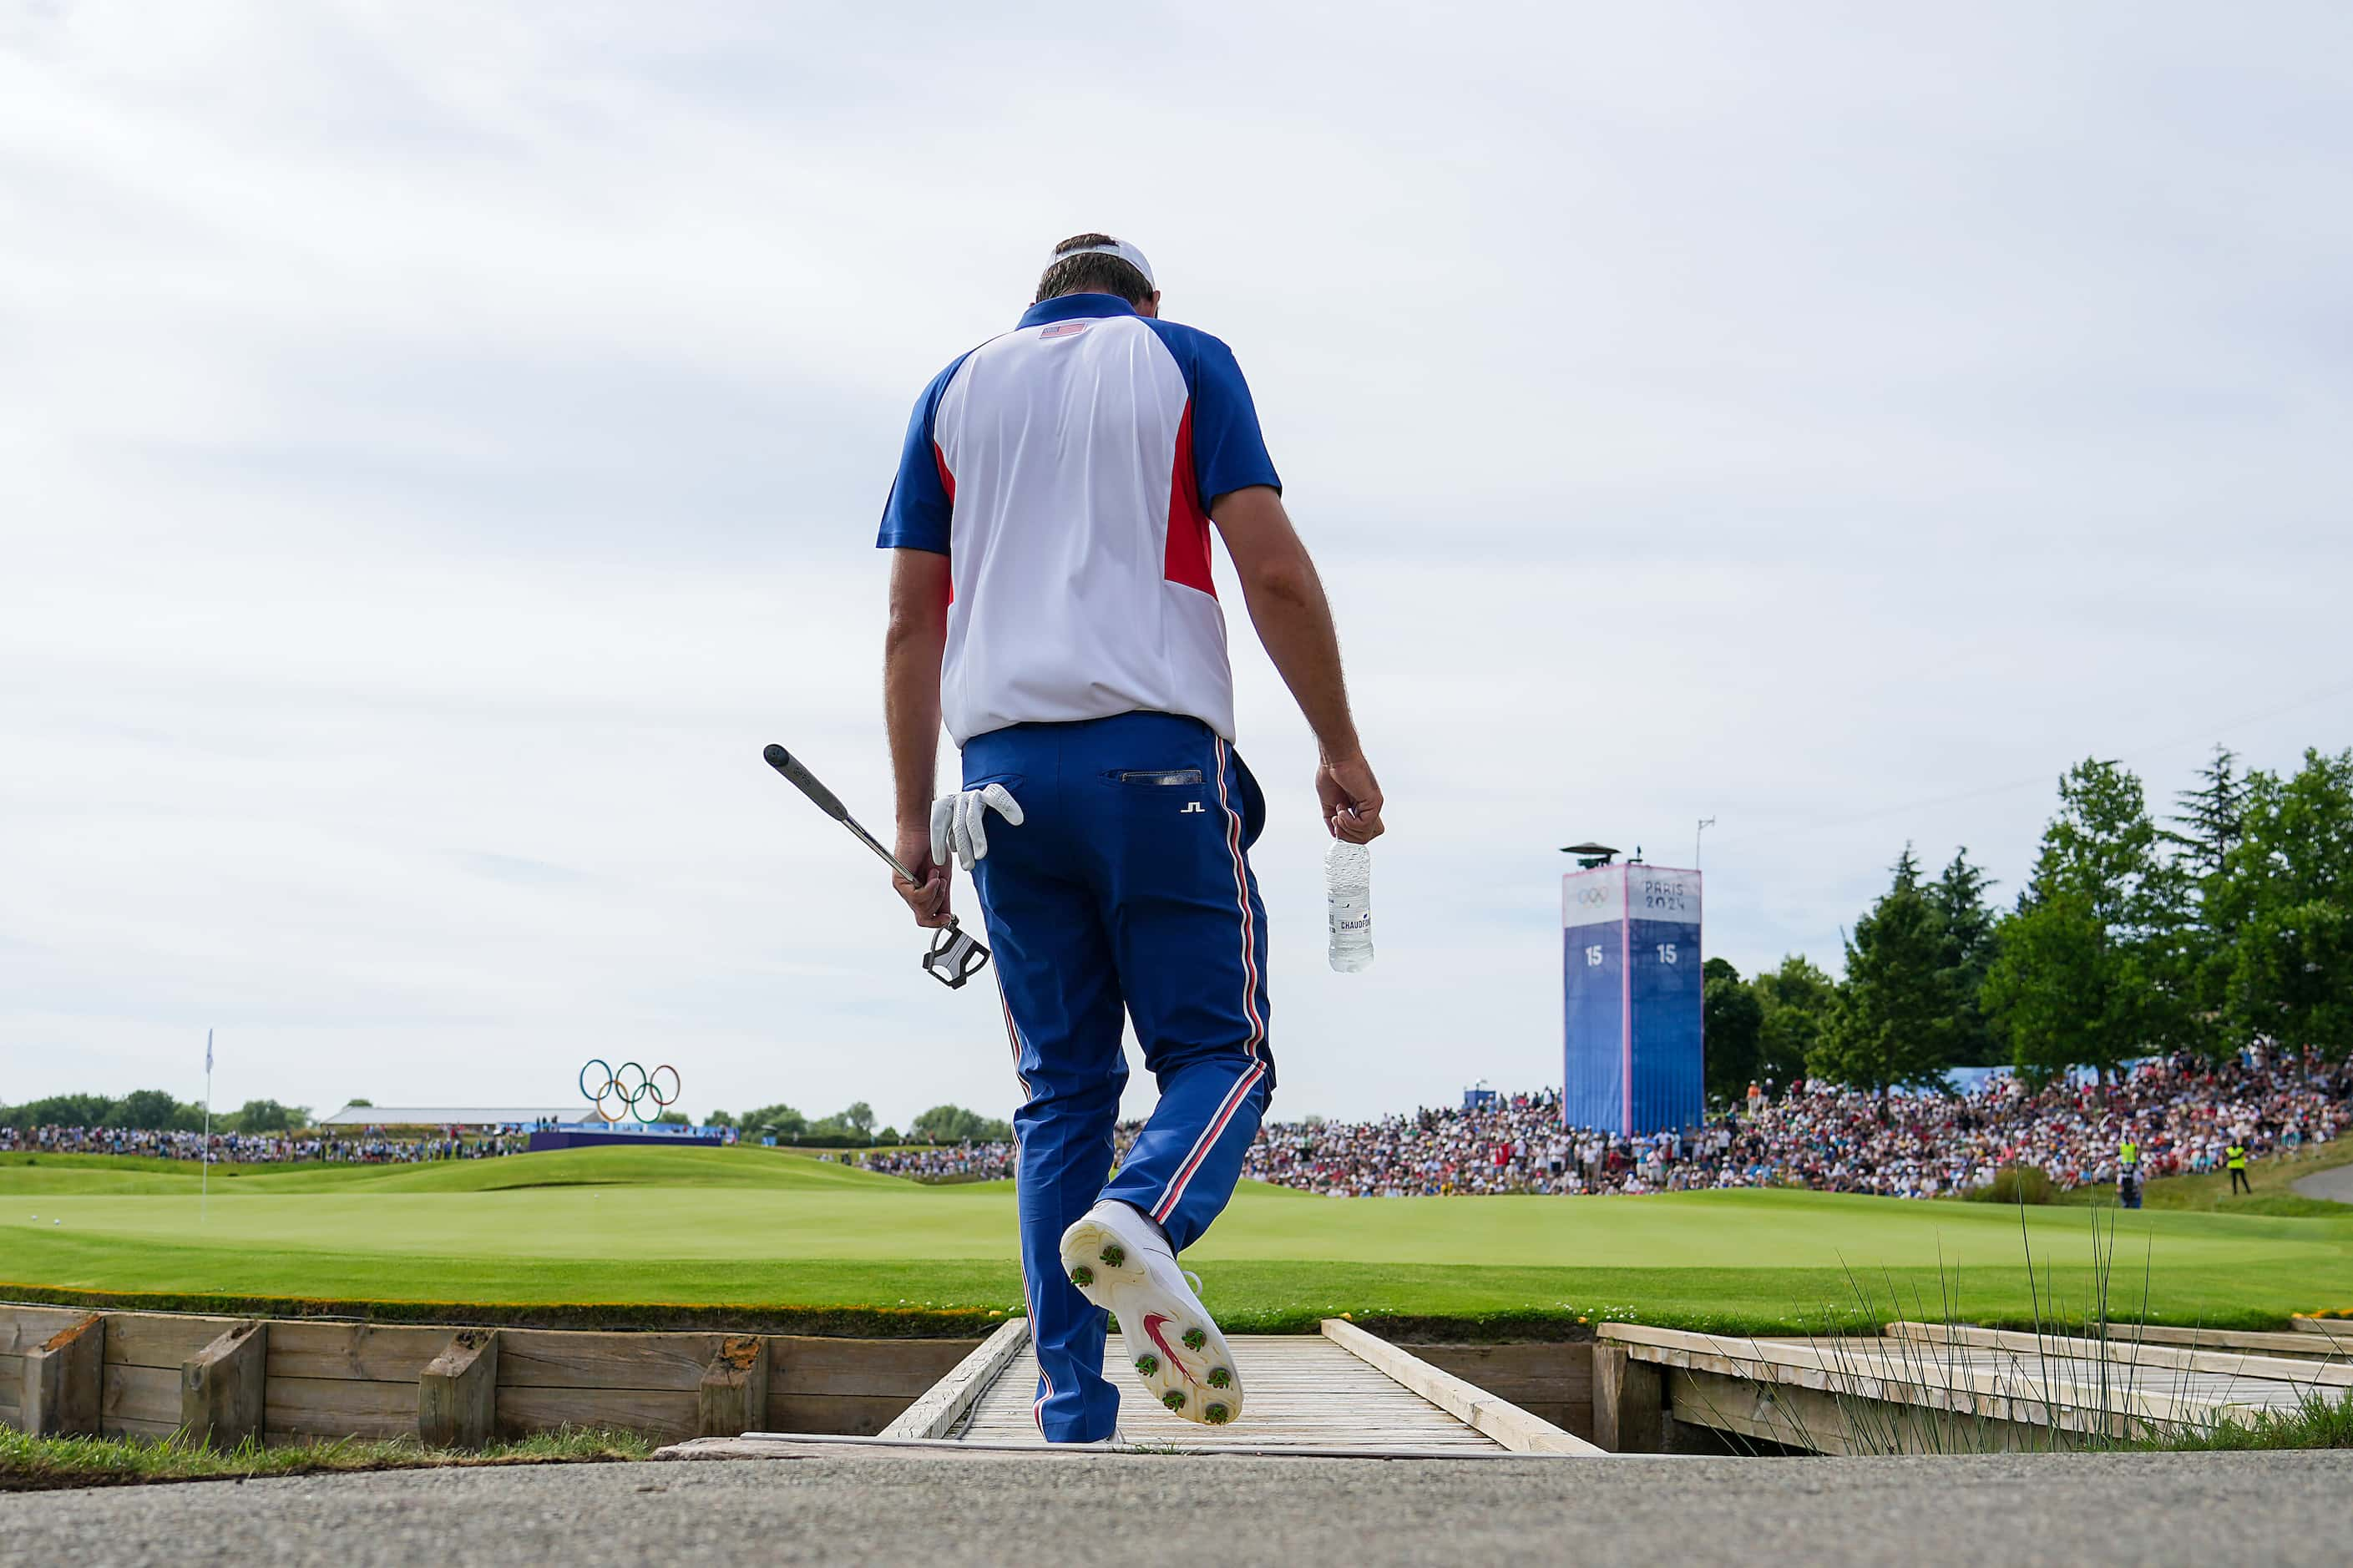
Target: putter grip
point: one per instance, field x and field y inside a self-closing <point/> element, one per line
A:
<point x="806" y="782"/>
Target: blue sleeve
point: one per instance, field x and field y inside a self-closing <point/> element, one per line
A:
<point x="1228" y="451"/>
<point x="922" y="498"/>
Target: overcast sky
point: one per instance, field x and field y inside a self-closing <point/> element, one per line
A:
<point x="441" y="442"/>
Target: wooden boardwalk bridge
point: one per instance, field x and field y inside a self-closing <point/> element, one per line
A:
<point x="1340" y="1393"/>
<point x="1932" y="1388"/>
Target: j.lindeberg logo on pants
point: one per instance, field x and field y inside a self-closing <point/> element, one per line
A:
<point x="1192" y="808"/>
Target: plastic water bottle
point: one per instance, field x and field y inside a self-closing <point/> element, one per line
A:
<point x="1348" y="882"/>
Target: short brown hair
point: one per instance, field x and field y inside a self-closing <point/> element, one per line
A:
<point x="1092" y="272"/>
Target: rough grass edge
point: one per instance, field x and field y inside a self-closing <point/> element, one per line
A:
<point x="2317" y="1421"/>
<point x="50" y="1464"/>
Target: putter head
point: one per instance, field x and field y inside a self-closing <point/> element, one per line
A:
<point x="955" y="958"/>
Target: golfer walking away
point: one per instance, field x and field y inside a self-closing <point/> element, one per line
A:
<point x="1052" y="601"/>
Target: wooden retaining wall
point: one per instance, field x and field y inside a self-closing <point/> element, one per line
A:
<point x="300" y="1379"/>
<point x="1552" y="1380"/>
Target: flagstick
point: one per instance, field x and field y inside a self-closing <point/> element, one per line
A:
<point x="204" y="1154"/>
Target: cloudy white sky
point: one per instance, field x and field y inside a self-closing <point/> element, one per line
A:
<point x="440" y="444"/>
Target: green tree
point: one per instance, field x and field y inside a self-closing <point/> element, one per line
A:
<point x="719" y="1118"/>
<point x="672" y="1118"/>
<point x="1893" y="1022"/>
<point x="58" y="1110"/>
<point x="1731" y="1019"/>
<point x="2210" y="820"/>
<point x="361" y="1104"/>
<point x="152" y="1110"/>
<point x="1959" y="897"/>
<point x="2284" y="903"/>
<point x="1796" y="1000"/>
<point x="954" y="1124"/>
<point x="2088" y="970"/>
<point x="782" y="1121"/>
<point x="856" y="1121"/>
<point x="2208" y="825"/>
<point x="268" y="1116"/>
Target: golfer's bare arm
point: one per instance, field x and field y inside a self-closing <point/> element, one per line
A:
<point x="912" y="645"/>
<point x="1294" y="622"/>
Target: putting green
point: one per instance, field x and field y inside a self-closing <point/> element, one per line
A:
<point x="758" y="1227"/>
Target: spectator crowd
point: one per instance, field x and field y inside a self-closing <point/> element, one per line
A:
<point x="371" y="1146"/>
<point x="942" y="1163"/>
<point x="2182" y="1112"/>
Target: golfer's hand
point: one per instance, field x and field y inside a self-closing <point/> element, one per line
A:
<point x="928" y="894"/>
<point x="960" y="822"/>
<point x="1351" y="798"/>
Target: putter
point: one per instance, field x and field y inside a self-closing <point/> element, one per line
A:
<point x="954" y="957"/>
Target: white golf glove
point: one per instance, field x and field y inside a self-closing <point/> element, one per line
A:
<point x="959" y="822"/>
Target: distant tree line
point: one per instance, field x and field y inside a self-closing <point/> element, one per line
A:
<point x="151" y="1111"/>
<point x="2225" y="922"/>
<point x="940" y="1124"/>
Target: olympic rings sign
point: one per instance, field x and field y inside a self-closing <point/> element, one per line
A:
<point x="629" y="1087"/>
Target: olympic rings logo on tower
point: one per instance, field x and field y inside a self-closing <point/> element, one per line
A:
<point x="630" y="1088"/>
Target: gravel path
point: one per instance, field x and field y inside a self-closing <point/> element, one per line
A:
<point x="2335" y="1186"/>
<point x="2200" y="1509"/>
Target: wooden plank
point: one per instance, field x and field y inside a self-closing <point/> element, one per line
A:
<point x="62" y="1382"/>
<point x="221" y="1386"/>
<point x="1304" y="1396"/>
<point x="819" y="1364"/>
<point x="2337" y="1331"/>
<point x="936" y="1410"/>
<point x="1791" y="1417"/>
<point x="1628" y="1404"/>
<point x="160" y="1339"/>
<point x="22" y="1328"/>
<point x="732" y="1398"/>
<point x="1859" y="1368"/>
<point x="1506" y="1422"/>
<point x="374" y="1352"/>
<point x="1552" y="1380"/>
<point x="313" y="1407"/>
<point x="456" y="1397"/>
<point x="583" y="1359"/>
<point x="2123" y="1352"/>
<point x="2273" y="1343"/>
<point x="665" y="1414"/>
<point x="840" y="1415"/>
<point x="1806" y="1418"/>
<point x="1560" y="1372"/>
<point x="144" y="1395"/>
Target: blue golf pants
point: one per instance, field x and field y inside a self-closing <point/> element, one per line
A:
<point x="1127" y="889"/>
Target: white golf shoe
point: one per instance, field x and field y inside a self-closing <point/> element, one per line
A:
<point x="1118" y="1260"/>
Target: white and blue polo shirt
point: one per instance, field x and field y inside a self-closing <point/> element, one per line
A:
<point x="1066" y="469"/>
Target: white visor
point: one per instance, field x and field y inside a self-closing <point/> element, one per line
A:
<point x="1118" y="247"/>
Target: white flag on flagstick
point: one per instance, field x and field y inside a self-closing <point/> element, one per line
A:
<point x="208" y="1050"/>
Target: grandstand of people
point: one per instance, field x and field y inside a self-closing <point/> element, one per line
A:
<point x="2182" y="1112"/>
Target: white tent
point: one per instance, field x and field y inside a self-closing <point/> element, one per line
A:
<point x="451" y="1116"/>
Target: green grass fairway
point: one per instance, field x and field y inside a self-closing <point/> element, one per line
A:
<point x="761" y="1228"/>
